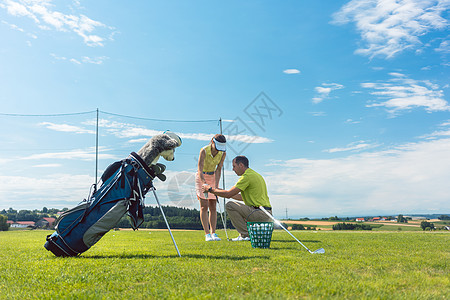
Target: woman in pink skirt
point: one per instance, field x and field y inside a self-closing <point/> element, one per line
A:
<point x="210" y="163"/>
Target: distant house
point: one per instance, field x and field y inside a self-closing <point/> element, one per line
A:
<point x="45" y="223"/>
<point x="22" y="224"/>
<point x="376" y="219"/>
<point x="360" y="220"/>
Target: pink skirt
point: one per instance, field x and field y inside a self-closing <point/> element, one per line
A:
<point x="210" y="179"/>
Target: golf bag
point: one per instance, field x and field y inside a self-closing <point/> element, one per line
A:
<point x="123" y="188"/>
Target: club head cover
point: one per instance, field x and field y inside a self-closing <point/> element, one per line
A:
<point x="161" y="167"/>
<point x="161" y="177"/>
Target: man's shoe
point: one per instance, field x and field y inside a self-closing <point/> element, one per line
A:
<point x="240" y="238"/>
<point x="215" y="237"/>
<point x="208" y="238"/>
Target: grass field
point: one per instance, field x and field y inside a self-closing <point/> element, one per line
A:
<point x="144" y="265"/>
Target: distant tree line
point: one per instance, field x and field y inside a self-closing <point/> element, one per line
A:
<point x="350" y="226"/>
<point x="4" y="226"/>
<point x="401" y="219"/>
<point x="30" y="215"/>
<point x="427" y="225"/>
<point x="178" y="218"/>
<point x="302" y="227"/>
<point x="336" y="218"/>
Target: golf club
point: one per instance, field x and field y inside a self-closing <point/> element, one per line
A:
<point x="318" y="251"/>
<point x="223" y="221"/>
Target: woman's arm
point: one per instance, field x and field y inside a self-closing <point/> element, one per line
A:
<point x="201" y="160"/>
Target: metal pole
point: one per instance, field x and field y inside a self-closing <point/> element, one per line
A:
<point x="167" y="224"/>
<point x="223" y="187"/>
<point x="96" y="154"/>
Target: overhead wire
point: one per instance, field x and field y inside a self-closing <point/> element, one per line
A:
<point x="158" y="120"/>
<point x="106" y="113"/>
<point x="48" y="115"/>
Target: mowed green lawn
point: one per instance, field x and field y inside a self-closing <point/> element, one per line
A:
<point x="144" y="265"/>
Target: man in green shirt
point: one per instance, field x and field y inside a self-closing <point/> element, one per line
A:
<point x="251" y="189"/>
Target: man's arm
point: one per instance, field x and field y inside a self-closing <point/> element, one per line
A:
<point x="218" y="171"/>
<point x="231" y="193"/>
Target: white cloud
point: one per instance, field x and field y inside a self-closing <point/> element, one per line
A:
<point x="85" y="59"/>
<point x="94" y="60"/>
<point x="42" y="12"/>
<point x="446" y="123"/>
<point x="318" y="113"/>
<point x="73" y="60"/>
<point x="228" y="121"/>
<point x="128" y="130"/>
<point x="443" y="132"/>
<point x="56" y="190"/>
<point x="13" y="26"/>
<point x="291" y="71"/>
<point x="323" y="92"/>
<point x="47" y="166"/>
<point x="411" y="178"/>
<point x="351" y="121"/>
<point x="444" y="47"/>
<point x="401" y="93"/>
<point x="66" y="128"/>
<point x="356" y="146"/>
<point x="388" y="27"/>
<point x="81" y="154"/>
<point x="58" y="57"/>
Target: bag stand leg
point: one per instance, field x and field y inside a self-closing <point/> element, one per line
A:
<point x="167" y="224"/>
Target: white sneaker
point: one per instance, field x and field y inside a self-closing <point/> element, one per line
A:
<point x="208" y="238"/>
<point x="240" y="238"/>
<point x="215" y="237"/>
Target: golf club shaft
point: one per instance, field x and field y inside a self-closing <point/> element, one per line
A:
<point x="223" y="220"/>
<point x="167" y="224"/>
<point x="279" y="223"/>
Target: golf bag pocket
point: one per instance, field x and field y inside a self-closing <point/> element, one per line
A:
<point x="105" y="223"/>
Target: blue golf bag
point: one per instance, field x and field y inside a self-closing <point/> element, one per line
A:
<point x="123" y="188"/>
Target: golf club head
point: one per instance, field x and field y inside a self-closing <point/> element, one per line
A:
<point x="319" y="251"/>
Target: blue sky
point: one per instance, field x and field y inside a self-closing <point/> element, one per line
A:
<point x="342" y="106"/>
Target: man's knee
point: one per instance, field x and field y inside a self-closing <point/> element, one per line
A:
<point x="230" y="206"/>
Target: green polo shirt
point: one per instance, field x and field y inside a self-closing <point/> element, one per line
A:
<point x="253" y="189"/>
